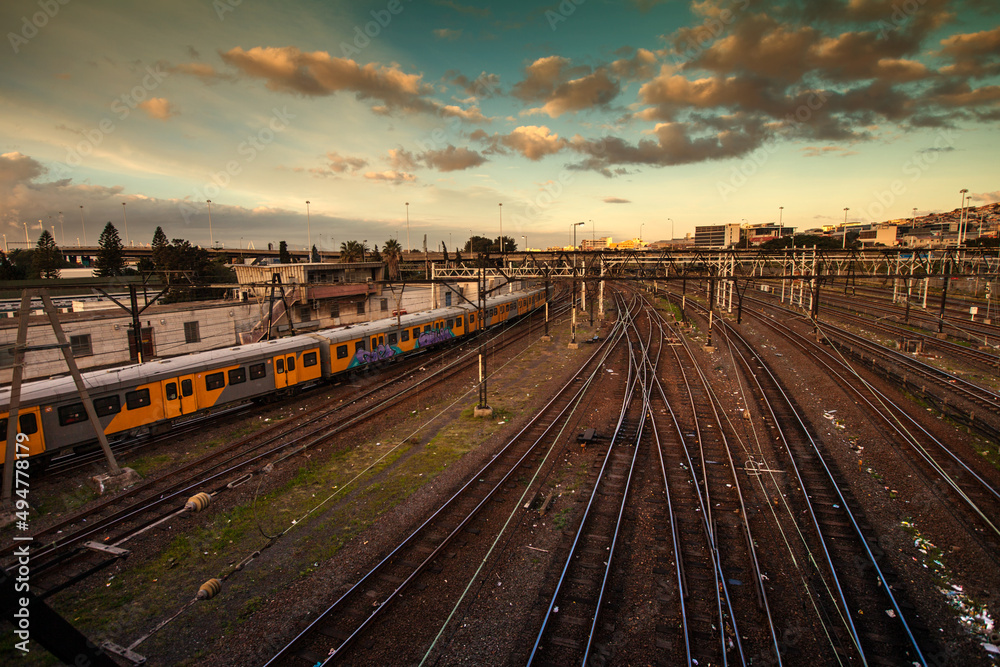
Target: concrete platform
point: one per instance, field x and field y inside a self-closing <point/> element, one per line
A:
<point x="486" y="412"/>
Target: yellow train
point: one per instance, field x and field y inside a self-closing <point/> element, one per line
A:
<point x="135" y="399"/>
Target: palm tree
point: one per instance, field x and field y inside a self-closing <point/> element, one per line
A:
<point x="392" y="252"/>
<point x="351" y="251"/>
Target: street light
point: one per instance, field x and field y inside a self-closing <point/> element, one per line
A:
<point x="747" y="223"/>
<point x="211" y="236"/>
<point x="27" y="242"/>
<point x="309" y="231"/>
<point x="364" y="243"/>
<point x="83" y="226"/>
<point x="913" y="218"/>
<point x="672" y="237"/>
<point x="408" y="227"/>
<point x="501" y="227"/>
<point x="524" y="238"/>
<point x="844" y="245"/>
<point x="125" y="218"/>
<point x="640" y="234"/>
<point x="62" y="228"/>
<point x="781" y="228"/>
<point x="5" y="243"/>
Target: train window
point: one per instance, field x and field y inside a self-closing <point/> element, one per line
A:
<point x="3" y="429"/>
<point x="341" y="351"/>
<point x="309" y="359"/>
<point x="72" y="414"/>
<point x="279" y="366"/>
<point x="374" y="342"/>
<point x="237" y="375"/>
<point x="359" y="346"/>
<point x="291" y="364"/>
<point x="427" y="328"/>
<point x="187" y="387"/>
<point x="136" y="399"/>
<point x="392" y="338"/>
<point x="257" y="371"/>
<point x="458" y="322"/>
<point x="416" y="333"/>
<point x="215" y="381"/>
<point x="451" y="324"/>
<point x="109" y="405"/>
<point x="170" y="389"/>
<point x="29" y="424"/>
<point x="404" y="335"/>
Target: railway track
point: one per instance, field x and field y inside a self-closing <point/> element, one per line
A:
<point x="851" y="583"/>
<point x="332" y="636"/>
<point x="69" y="551"/>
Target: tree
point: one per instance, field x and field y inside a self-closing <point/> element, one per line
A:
<point x="198" y="269"/>
<point x="392" y="252"/>
<point x="509" y="245"/>
<point x="9" y="270"/>
<point x="351" y="251"/>
<point x="283" y="255"/>
<point x="110" y="261"/>
<point x="444" y="251"/>
<point x="47" y="259"/>
<point x="160" y="247"/>
<point x="314" y="255"/>
<point x="376" y="255"/>
<point x="478" y="244"/>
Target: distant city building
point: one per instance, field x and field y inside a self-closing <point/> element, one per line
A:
<point x="596" y="244"/>
<point x="716" y="236"/>
<point x="764" y="232"/>
<point x="884" y="235"/>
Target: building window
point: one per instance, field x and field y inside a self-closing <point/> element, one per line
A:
<point x="447" y="298"/>
<point x="81" y="345"/>
<point x="305" y="313"/>
<point x="385" y="305"/>
<point x="191" y="333"/>
<point x="361" y="307"/>
<point x="335" y="309"/>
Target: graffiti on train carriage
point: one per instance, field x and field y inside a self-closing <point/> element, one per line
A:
<point x="434" y="336"/>
<point x="380" y="353"/>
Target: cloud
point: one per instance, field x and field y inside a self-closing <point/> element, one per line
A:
<point x="448" y="34"/>
<point x="484" y="85"/>
<point x="987" y="197"/>
<point x="390" y="176"/>
<point x="532" y="141"/>
<point x="452" y="159"/>
<point x="340" y="164"/>
<point x="819" y="151"/>
<point x="159" y="108"/>
<point x="402" y="159"/>
<point x="616" y="200"/>
<point x="287" y="69"/>
<point x="675" y="143"/>
<point x="549" y="80"/>
<point x="472" y="114"/>
<point x="640" y="66"/>
<point x="203" y="71"/>
<point x="16" y="167"/>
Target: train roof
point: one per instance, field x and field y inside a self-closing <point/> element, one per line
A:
<point x="54" y="389"/>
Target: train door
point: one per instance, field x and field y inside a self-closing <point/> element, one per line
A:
<point x="29" y="423"/>
<point x="171" y="391"/>
<point x="189" y="401"/>
<point x="285" y="372"/>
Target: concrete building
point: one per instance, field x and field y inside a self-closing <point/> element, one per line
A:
<point x="880" y="235"/>
<point x="602" y="243"/>
<point x="716" y="236"/>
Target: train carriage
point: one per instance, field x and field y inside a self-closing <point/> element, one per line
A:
<point x="151" y="396"/>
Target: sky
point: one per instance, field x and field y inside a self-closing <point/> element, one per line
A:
<point x="446" y="118"/>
